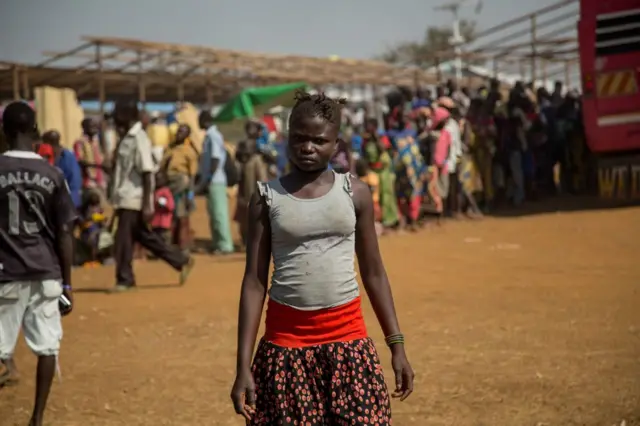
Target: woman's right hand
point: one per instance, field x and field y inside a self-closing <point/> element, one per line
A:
<point x="403" y="372"/>
<point x="243" y="394"/>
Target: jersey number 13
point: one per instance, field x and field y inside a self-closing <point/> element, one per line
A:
<point x="26" y="212"/>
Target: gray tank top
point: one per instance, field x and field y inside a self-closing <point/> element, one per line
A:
<point x="313" y="246"/>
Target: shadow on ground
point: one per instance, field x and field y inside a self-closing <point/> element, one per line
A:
<point x="561" y="203"/>
<point x="108" y="290"/>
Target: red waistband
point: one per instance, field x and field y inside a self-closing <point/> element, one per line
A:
<point x="294" y="328"/>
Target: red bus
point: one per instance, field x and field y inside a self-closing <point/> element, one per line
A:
<point x="609" y="48"/>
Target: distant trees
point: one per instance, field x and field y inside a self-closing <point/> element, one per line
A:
<point x="423" y="53"/>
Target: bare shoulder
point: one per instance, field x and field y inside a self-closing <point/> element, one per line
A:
<point x="259" y="205"/>
<point x="361" y="193"/>
<point x="357" y="185"/>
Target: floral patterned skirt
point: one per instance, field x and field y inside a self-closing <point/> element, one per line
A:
<point x="331" y="384"/>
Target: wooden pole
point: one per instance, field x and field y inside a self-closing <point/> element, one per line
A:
<point x="62" y="55"/>
<point x="533" y="47"/>
<point x="101" y="91"/>
<point x="142" y="92"/>
<point x="26" y="89"/>
<point x="544" y="72"/>
<point x="209" y="90"/>
<point x="495" y="67"/>
<point x="180" y="91"/>
<point x="16" y="83"/>
<point x="101" y="101"/>
<point x="78" y="69"/>
<point x="377" y="105"/>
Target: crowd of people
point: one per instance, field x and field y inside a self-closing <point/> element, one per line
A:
<point x="451" y="152"/>
<point x="342" y="182"/>
<point x="463" y="152"/>
<point x="444" y="153"/>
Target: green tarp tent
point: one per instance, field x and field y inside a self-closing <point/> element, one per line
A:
<point x="256" y="101"/>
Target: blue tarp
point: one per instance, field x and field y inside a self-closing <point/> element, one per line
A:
<point x="162" y="107"/>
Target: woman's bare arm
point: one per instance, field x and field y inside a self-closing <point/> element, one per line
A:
<point x="374" y="276"/>
<point x="376" y="283"/>
<point x="255" y="280"/>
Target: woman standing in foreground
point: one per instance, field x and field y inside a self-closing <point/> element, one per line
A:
<point x="315" y="363"/>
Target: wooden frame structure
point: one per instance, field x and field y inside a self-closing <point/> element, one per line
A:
<point x="107" y="68"/>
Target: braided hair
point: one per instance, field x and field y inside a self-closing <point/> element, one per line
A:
<point x="320" y="105"/>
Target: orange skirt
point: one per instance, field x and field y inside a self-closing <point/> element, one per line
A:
<point x="295" y="328"/>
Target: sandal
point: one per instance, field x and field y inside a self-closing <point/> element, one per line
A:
<point x="186" y="270"/>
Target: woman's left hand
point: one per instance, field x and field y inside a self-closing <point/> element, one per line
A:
<point x="403" y="372"/>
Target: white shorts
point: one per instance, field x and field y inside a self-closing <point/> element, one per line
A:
<point x="33" y="307"/>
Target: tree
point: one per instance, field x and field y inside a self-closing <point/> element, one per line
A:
<point x="425" y="52"/>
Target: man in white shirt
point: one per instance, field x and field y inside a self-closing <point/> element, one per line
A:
<point x="133" y="201"/>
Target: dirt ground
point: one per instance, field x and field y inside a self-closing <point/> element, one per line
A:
<point x="531" y="320"/>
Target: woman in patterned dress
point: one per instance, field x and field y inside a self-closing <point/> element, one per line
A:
<point x="376" y="152"/>
<point x="315" y="364"/>
<point x="410" y="171"/>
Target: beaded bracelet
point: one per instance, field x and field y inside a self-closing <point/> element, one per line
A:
<point x="66" y="287"/>
<point x="394" y="339"/>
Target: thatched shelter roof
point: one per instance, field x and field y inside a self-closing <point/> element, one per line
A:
<point x="170" y="71"/>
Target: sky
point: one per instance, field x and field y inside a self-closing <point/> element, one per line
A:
<point x="347" y="28"/>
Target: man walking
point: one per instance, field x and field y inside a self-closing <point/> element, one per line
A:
<point x="132" y="199"/>
<point x="36" y="252"/>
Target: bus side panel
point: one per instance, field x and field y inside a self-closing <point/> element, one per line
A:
<point x="603" y="138"/>
<point x="610" y="139"/>
<point x="586" y="40"/>
<point x="612" y="6"/>
<point x="616" y="146"/>
<point x="619" y="104"/>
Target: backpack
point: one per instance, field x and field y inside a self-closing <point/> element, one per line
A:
<point x="231" y="170"/>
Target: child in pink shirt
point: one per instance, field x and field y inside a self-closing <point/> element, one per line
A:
<point x="162" y="222"/>
<point x="439" y="174"/>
